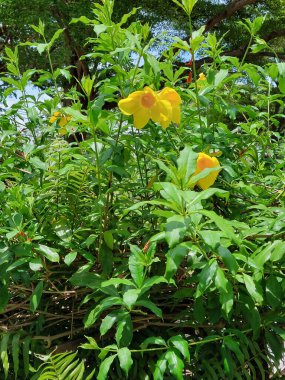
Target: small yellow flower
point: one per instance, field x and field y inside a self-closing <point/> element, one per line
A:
<point x="63" y="119"/>
<point x="162" y="107"/>
<point x="206" y="162"/>
<point x="202" y="76"/>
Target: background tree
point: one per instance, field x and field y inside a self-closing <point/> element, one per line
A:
<point x="219" y="16"/>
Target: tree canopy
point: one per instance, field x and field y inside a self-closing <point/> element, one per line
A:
<point x="221" y="17"/>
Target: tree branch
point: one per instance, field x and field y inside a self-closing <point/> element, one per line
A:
<point x="232" y="8"/>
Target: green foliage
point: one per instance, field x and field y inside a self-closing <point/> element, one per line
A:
<point x="114" y="264"/>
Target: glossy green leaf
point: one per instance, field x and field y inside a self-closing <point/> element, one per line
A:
<point x="36" y="296"/>
<point x="125" y="358"/>
<point x="105" y="367"/>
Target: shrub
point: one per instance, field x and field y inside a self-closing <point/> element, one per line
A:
<point x="145" y="244"/>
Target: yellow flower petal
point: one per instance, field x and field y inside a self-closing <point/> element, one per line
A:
<point x="176" y="115"/>
<point x="202" y="76"/>
<point x="206" y="162"/>
<point x="171" y="95"/>
<point x="52" y="119"/>
<point x="141" y="118"/>
<point x="63" y="121"/>
<point x="161" y="111"/>
<point x="129" y="105"/>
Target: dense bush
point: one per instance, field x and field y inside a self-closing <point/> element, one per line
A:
<point x="140" y="246"/>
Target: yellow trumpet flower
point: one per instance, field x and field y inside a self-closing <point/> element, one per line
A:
<point x="162" y="107"/>
<point x="206" y="162"/>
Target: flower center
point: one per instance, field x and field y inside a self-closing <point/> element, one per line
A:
<point x="147" y="100"/>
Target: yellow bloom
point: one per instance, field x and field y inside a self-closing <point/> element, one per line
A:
<point x="63" y="119"/>
<point x="206" y="162"/>
<point x="169" y="95"/>
<point x="202" y="76"/>
<point x="162" y="107"/>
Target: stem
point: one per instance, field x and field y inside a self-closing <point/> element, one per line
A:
<point x="196" y="85"/>
<point x="171" y="141"/>
<point x="109" y="197"/>
<point x="136" y="67"/>
<point x="195" y="343"/>
<point x="246" y="51"/>
<point x="137" y="158"/>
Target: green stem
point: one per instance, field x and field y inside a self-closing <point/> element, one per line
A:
<point x="196" y="85"/>
<point x="246" y="52"/>
<point x="137" y="158"/>
<point x="196" y="343"/>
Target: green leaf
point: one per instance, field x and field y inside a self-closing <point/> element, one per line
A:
<point x="36" y="296"/>
<point x="91" y="345"/>
<point x="223" y="224"/>
<point x="109" y="240"/>
<point x="151" y="306"/>
<point x="206" y="277"/>
<point x="150" y="282"/>
<point x="94" y="313"/>
<point x="181" y="345"/>
<point x="273" y="291"/>
<point x="220" y="76"/>
<point x="160" y="368"/>
<point x="26" y="354"/>
<point x="63" y="229"/>
<point x="15" y="354"/>
<point x="55" y="37"/>
<point x="211" y="238"/>
<point x="281" y="68"/>
<point x="70" y="257"/>
<point x="152" y="340"/>
<point x="175" y="364"/>
<point x="278" y="250"/>
<point x="130" y="297"/>
<point x="175" y="229"/>
<point x="234" y="346"/>
<point x="186" y="164"/>
<point x="124" y="333"/>
<point x="276" y="345"/>
<point x="281" y="84"/>
<point x="226" y="291"/>
<point x="105" y="367"/>
<point x="42" y="47"/>
<point x="17" y="221"/>
<point x="136" y="265"/>
<point x="125" y="358"/>
<point x="171" y="193"/>
<point x="37" y="163"/>
<point x="227" y="360"/>
<point x="168" y="169"/>
<point x="117" y="281"/>
<point x="50" y="253"/>
<point x="4" y="353"/>
<point x="86" y="279"/>
<point x="4" y="297"/>
<point x="110" y="319"/>
<point x="174" y="258"/>
<point x="252" y="289"/>
<point x="193" y="198"/>
<point x="228" y="259"/>
<point x="2" y="186"/>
